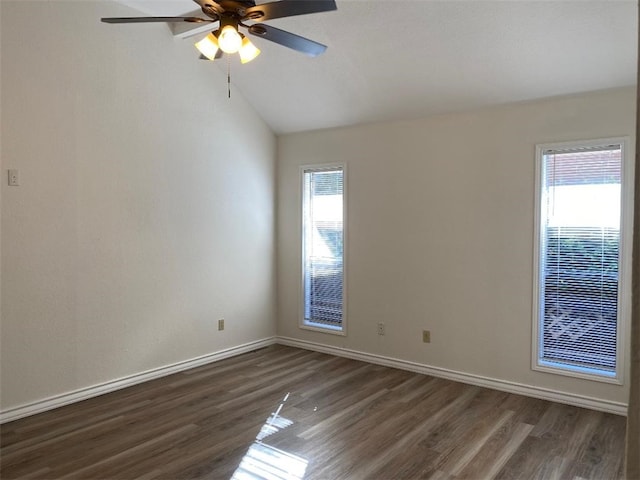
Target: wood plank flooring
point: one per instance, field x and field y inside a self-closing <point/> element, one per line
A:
<point x="282" y="412"/>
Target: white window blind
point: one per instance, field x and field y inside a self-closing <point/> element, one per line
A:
<point x="579" y="259"/>
<point x="323" y="243"/>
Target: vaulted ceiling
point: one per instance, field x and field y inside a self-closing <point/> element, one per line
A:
<point x="398" y="59"/>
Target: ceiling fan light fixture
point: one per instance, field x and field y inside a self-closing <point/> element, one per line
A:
<point x="248" y="51"/>
<point x="229" y="39"/>
<point x="208" y="46"/>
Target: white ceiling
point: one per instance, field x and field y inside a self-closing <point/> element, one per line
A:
<point x="403" y="59"/>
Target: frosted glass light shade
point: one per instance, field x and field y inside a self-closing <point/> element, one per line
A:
<point x="248" y="51"/>
<point x="208" y="46"/>
<point x="229" y="39"/>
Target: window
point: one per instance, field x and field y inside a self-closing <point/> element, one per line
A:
<point x="323" y="248"/>
<point x="580" y="285"/>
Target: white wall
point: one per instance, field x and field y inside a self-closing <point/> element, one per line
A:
<point x="145" y="213"/>
<point x="440" y="233"/>
<point x="146" y="206"/>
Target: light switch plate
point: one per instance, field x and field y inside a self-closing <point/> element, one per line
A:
<point x="14" y="178"/>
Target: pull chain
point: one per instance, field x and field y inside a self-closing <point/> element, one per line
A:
<point x="229" y="75"/>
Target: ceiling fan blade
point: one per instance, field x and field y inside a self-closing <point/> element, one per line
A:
<point x="155" y="19"/>
<point x="288" y="8"/>
<point x="291" y="40"/>
<point x="211" y="8"/>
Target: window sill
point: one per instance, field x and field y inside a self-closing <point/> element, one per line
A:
<point x="578" y="372"/>
<point x="323" y="328"/>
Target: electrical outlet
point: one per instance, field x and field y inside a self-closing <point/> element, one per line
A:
<point x="381" y="328"/>
<point x="426" y="336"/>
<point x="221" y="324"/>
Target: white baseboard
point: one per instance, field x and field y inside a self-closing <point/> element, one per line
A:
<point x="496" y="384"/>
<point x="493" y="383"/>
<point x="113" y="385"/>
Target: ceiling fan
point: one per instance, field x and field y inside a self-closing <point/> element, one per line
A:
<point x="232" y="14"/>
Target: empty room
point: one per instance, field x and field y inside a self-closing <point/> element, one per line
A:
<point x="319" y="239"/>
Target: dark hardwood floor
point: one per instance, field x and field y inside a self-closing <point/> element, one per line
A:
<point x="281" y="412"/>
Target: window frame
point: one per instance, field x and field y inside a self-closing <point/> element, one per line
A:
<point x="302" y="323"/>
<point x="624" y="261"/>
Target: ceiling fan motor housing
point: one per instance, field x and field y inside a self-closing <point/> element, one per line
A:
<point x="228" y="20"/>
<point x="236" y="8"/>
